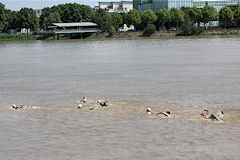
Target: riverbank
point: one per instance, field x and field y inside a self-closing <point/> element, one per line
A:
<point x="124" y="35"/>
<point x="163" y="34"/>
<point x="8" y="37"/>
<point x="24" y="37"/>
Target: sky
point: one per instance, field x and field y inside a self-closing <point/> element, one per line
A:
<point x="39" y="4"/>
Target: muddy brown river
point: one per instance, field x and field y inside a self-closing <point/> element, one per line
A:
<point x="182" y="75"/>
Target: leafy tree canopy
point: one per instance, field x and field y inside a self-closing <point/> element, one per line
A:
<point x="28" y="19"/>
<point x="134" y="18"/>
<point x="148" y="17"/>
<point x="237" y="16"/>
<point x="225" y="16"/>
<point x="164" y="16"/>
<point x="209" y="13"/>
<point x="177" y="16"/>
<point x="3" y="21"/>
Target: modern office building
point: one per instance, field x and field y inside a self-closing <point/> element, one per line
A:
<point x="155" y="5"/>
<point x="218" y="4"/>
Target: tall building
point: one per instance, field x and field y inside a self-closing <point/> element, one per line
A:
<point x="116" y="7"/>
<point x="155" y="5"/>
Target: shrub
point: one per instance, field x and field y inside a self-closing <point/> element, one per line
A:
<point x="188" y="29"/>
<point x="149" y="30"/>
<point x="111" y="31"/>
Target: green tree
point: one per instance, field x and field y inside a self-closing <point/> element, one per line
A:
<point x="188" y="29"/>
<point x="54" y="17"/>
<point x="124" y="17"/>
<point x="87" y="13"/>
<point x="195" y="15"/>
<point x="42" y="20"/>
<point x="73" y="12"/>
<point x="225" y="16"/>
<point x="28" y="19"/>
<point x="209" y="13"/>
<point x="99" y="18"/>
<point x="177" y="16"/>
<point x="117" y="20"/>
<point x="69" y="12"/>
<point x="164" y="17"/>
<point x="108" y="22"/>
<point x="237" y="16"/>
<point x="186" y="10"/>
<point x="134" y="18"/>
<point x="3" y="21"/>
<point x="148" y="17"/>
<point x="13" y="20"/>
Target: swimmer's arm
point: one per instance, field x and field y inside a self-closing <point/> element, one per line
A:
<point x="207" y="111"/>
<point x="165" y="114"/>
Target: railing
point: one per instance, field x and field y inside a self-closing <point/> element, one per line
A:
<point x="82" y="30"/>
<point x="62" y="31"/>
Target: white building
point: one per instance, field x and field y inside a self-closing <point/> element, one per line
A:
<point x="116" y="7"/>
<point x="125" y="28"/>
<point x="38" y="12"/>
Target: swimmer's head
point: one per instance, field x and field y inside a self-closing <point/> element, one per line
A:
<point x="168" y="112"/>
<point x="148" y="110"/>
<point x="80" y="106"/>
<point x="14" y="106"/>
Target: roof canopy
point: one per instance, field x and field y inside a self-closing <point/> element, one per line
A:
<point x="77" y="24"/>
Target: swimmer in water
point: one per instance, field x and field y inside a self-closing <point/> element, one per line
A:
<point x="149" y="111"/>
<point x="103" y="103"/>
<point x="79" y="106"/>
<point x="84" y="99"/>
<point x="167" y="114"/>
<point x="207" y="115"/>
<point x="20" y="106"/>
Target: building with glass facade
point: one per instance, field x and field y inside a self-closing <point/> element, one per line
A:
<point x="155" y="5"/>
<point x="218" y="4"/>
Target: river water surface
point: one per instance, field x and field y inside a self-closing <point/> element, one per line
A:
<point x="184" y="76"/>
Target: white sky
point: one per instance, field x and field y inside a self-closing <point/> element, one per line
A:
<point x="39" y="4"/>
